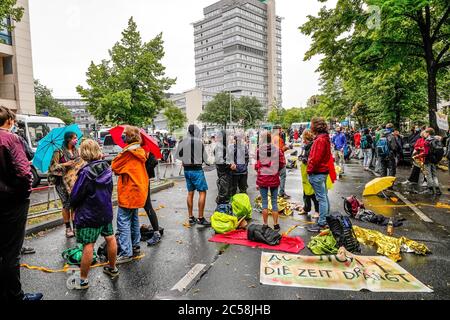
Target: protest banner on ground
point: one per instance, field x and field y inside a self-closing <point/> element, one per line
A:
<point x="353" y="273"/>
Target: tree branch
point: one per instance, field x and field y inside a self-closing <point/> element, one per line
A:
<point x="443" y="64"/>
<point x="406" y="43"/>
<point x="440" y="23"/>
<point x="441" y="54"/>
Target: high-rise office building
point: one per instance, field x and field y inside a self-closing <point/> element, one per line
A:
<point x="238" y="50"/>
<point x="16" y="66"/>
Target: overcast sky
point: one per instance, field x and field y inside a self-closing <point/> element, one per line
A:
<point x="67" y="35"/>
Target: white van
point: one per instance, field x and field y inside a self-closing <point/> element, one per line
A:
<point x="36" y="128"/>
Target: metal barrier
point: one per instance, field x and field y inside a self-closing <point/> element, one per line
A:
<point x="56" y="208"/>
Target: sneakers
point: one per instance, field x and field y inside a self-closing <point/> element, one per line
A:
<point x="192" y="221"/>
<point x="277" y="228"/>
<point x="136" y="251"/>
<point x="154" y="240"/>
<point x="285" y="196"/>
<point x="316" y="228"/>
<point x="203" y="222"/>
<point x="27" y="250"/>
<point x="79" y="284"/>
<point x="113" y="273"/>
<point x="33" y="296"/>
<point x="69" y="233"/>
<point x="123" y="259"/>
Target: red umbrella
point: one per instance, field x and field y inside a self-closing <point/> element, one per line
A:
<point x="149" y="144"/>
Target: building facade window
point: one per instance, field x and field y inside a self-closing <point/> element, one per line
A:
<point x="5" y="34"/>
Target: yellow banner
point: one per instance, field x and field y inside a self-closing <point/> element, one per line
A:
<point x="341" y="272"/>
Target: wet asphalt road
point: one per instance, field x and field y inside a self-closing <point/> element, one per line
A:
<point x="233" y="271"/>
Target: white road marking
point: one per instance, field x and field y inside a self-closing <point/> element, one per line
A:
<point x="189" y="277"/>
<point x="413" y="208"/>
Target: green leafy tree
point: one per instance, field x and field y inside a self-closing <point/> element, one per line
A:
<point x="129" y="87"/>
<point x="176" y="119"/>
<point x="249" y="110"/>
<point x="217" y="111"/>
<point x="391" y="33"/>
<point x="45" y="102"/>
<point x="8" y="9"/>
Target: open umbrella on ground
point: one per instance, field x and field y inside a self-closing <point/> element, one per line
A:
<point x="149" y="144"/>
<point x="378" y="185"/>
<point x="53" y="141"/>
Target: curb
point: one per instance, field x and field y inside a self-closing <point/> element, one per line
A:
<point x="35" y="229"/>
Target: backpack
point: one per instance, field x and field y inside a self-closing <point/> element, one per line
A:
<point x="364" y="143"/>
<point x="436" y="152"/>
<point x="150" y="165"/>
<point x="383" y="149"/>
<point x="263" y="234"/>
<point x="342" y="229"/>
<point x="73" y="256"/>
<point x="223" y="223"/>
<point x="352" y="206"/>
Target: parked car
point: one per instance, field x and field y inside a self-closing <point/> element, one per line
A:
<point x="110" y="149"/>
<point x="36" y="128"/>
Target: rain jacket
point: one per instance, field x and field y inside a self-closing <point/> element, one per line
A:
<point x="133" y="184"/>
<point x="191" y="150"/>
<point x="15" y="170"/>
<point x="339" y="140"/>
<point x="320" y="155"/>
<point x="91" y="196"/>
<point x="268" y="166"/>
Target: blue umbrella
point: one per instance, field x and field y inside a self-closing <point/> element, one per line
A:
<point x="50" y="143"/>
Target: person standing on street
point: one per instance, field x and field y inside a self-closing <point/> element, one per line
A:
<point x="418" y="161"/>
<point x="241" y="158"/>
<point x="15" y="190"/>
<point x="366" y="147"/>
<point x="318" y="169"/>
<point x="132" y="190"/>
<point x="268" y="165"/>
<point x="308" y="191"/>
<point x="357" y="139"/>
<point x="150" y="166"/>
<point x="91" y="198"/>
<point x="433" y="154"/>
<point x="223" y="155"/>
<point x="192" y="153"/>
<point x="387" y="149"/>
<point x="280" y="142"/>
<point x="339" y="142"/>
<point x="62" y="162"/>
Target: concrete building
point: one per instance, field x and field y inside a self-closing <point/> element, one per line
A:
<point x="78" y="109"/>
<point x="16" y="65"/>
<point x="191" y="102"/>
<point x="238" y="50"/>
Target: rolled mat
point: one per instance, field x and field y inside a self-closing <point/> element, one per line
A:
<point x="239" y="237"/>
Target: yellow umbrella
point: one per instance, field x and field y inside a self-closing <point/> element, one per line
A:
<point x="378" y="185"/>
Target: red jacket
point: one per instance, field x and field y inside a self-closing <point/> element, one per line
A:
<point x="15" y="170"/>
<point x="320" y="155"/>
<point x="421" y="148"/>
<point x="357" y="138"/>
<point x="268" y="166"/>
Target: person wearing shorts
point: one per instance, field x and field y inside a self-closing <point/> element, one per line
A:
<point x="192" y="153"/>
<point x="91" y="198"/>
<point x="270" y="161"/>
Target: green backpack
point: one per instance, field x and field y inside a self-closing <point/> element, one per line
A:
<point x="241" y="205"/>
<point x="73" y="256"/>
<point x="223" y="223"/>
